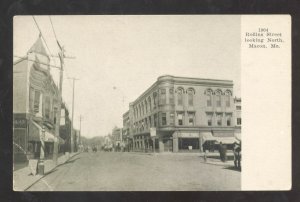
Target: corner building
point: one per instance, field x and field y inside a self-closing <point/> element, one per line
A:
<point x="184" y="112"/>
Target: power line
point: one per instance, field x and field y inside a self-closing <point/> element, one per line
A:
<point x="25" y="58"/>
<point x="43" y="38"/>
<point x="53" y="28"/>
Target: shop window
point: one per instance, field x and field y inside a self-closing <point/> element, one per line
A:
<point x="163" y="119"/>
<point x="186" y="143"/>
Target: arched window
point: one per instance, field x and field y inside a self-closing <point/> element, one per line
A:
<point x="171" y="96"/>
<point x="143" y="112"/>
<point x="146" y="106"/>
<point x="162" y="96"/>
<point x="154" y="99"/>
<point x="218" y="94"/>
<point x="140" y="111"/>
<point x="228" y="95"/>
<point x="191" y="93"/>
<point x="149" y="101"/>
<point x="180" y="92"/>
<point x="208" y="94"/>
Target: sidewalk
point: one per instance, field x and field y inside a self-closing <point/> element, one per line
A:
<point x="23" y="179"/>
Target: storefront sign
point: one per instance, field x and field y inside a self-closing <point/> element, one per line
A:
<point x="152" y="132"/>
<point x="195" y="135"/>
<point x="20" y="123"/>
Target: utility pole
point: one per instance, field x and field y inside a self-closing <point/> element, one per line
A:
<point x="61" y="56"/>
<point x="80" y="118"/>
<point x="72" y="131"/>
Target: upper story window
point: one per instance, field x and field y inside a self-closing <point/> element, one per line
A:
<point x="218" y="94"/>
<point x="180" y="96"/>
<point x="238" y="107"/>
<point x="171" y="96"/>
<point x="150" y="122"/>
<point x="180" y="118"/>
<point x="149" y="102"/>
<point x="191" y="116"/>
<point x="228" y="95"/>
<point x="140" y="111"/>
<point x="155" y="120"/>
<point x="162" y="96"/>
<point x="146" y="106"/>
<point x="239" y="121"/>
<point x="209" y="119"/>
<point x="154" y="99"/>
<point x="228" y="119"/>
<point x="172" y="118"/>
<point x="219" y="119"/>
<point x="163" y="119"/>
<point x="143" y="112"/>
<point x="190" y="93"/>
<point x="36" y="103"/>
<point x="208" y="94"/>
<point x="47" y="107"/>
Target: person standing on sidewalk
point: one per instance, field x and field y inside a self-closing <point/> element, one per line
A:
<point x="237" y="155"/>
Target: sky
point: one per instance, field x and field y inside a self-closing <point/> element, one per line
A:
<point x="118" y="57"/>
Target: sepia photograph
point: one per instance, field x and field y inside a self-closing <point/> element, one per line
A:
<point x="127" y="103"/>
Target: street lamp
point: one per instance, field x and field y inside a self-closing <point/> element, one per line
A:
<point x="41" y="165"/>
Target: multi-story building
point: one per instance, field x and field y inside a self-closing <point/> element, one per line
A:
<point x="35" y="104"/>
<point x="184" y="113"/>
<point x="238" y="117"/>
<point x="117" y="137"/>
<point x="126" y="134"/>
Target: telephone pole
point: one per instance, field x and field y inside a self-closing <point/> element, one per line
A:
<point x="80" y="118"/>
<point x="61" y="56"/>
<point x="72" y="131"/>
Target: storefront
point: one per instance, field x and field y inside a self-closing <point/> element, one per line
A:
<point x="34" y="143"/>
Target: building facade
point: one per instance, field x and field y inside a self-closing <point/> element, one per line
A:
<point x="183" y="113"/>
<point x="35" y="104"/>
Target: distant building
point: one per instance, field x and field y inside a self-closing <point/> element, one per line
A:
<point x="117" y="137"/>
<point x="35" y="104"/>
<point x="184" y="113"/>
<point x="126" y="133"/>
<point x="238" y="117"/>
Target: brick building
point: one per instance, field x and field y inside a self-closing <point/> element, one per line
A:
<point x="184" y="113"/>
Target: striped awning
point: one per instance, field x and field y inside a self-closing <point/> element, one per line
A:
<point x="35" y="133"/>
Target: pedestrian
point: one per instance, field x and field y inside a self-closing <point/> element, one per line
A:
<point x="237" y="155"/>
<point x="222" y="151"/>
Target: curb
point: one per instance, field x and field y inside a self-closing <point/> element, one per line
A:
<point x="42" y="176"/>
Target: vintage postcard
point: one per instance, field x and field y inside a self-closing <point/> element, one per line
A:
<point x="152" y="103"/>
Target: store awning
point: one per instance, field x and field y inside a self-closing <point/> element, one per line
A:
<point x="226" y="140"/>
<point x="35" y="132"/>
<point x="207" y="136"/>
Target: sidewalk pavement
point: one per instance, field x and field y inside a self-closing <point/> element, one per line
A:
<point x="23" y="179"/>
